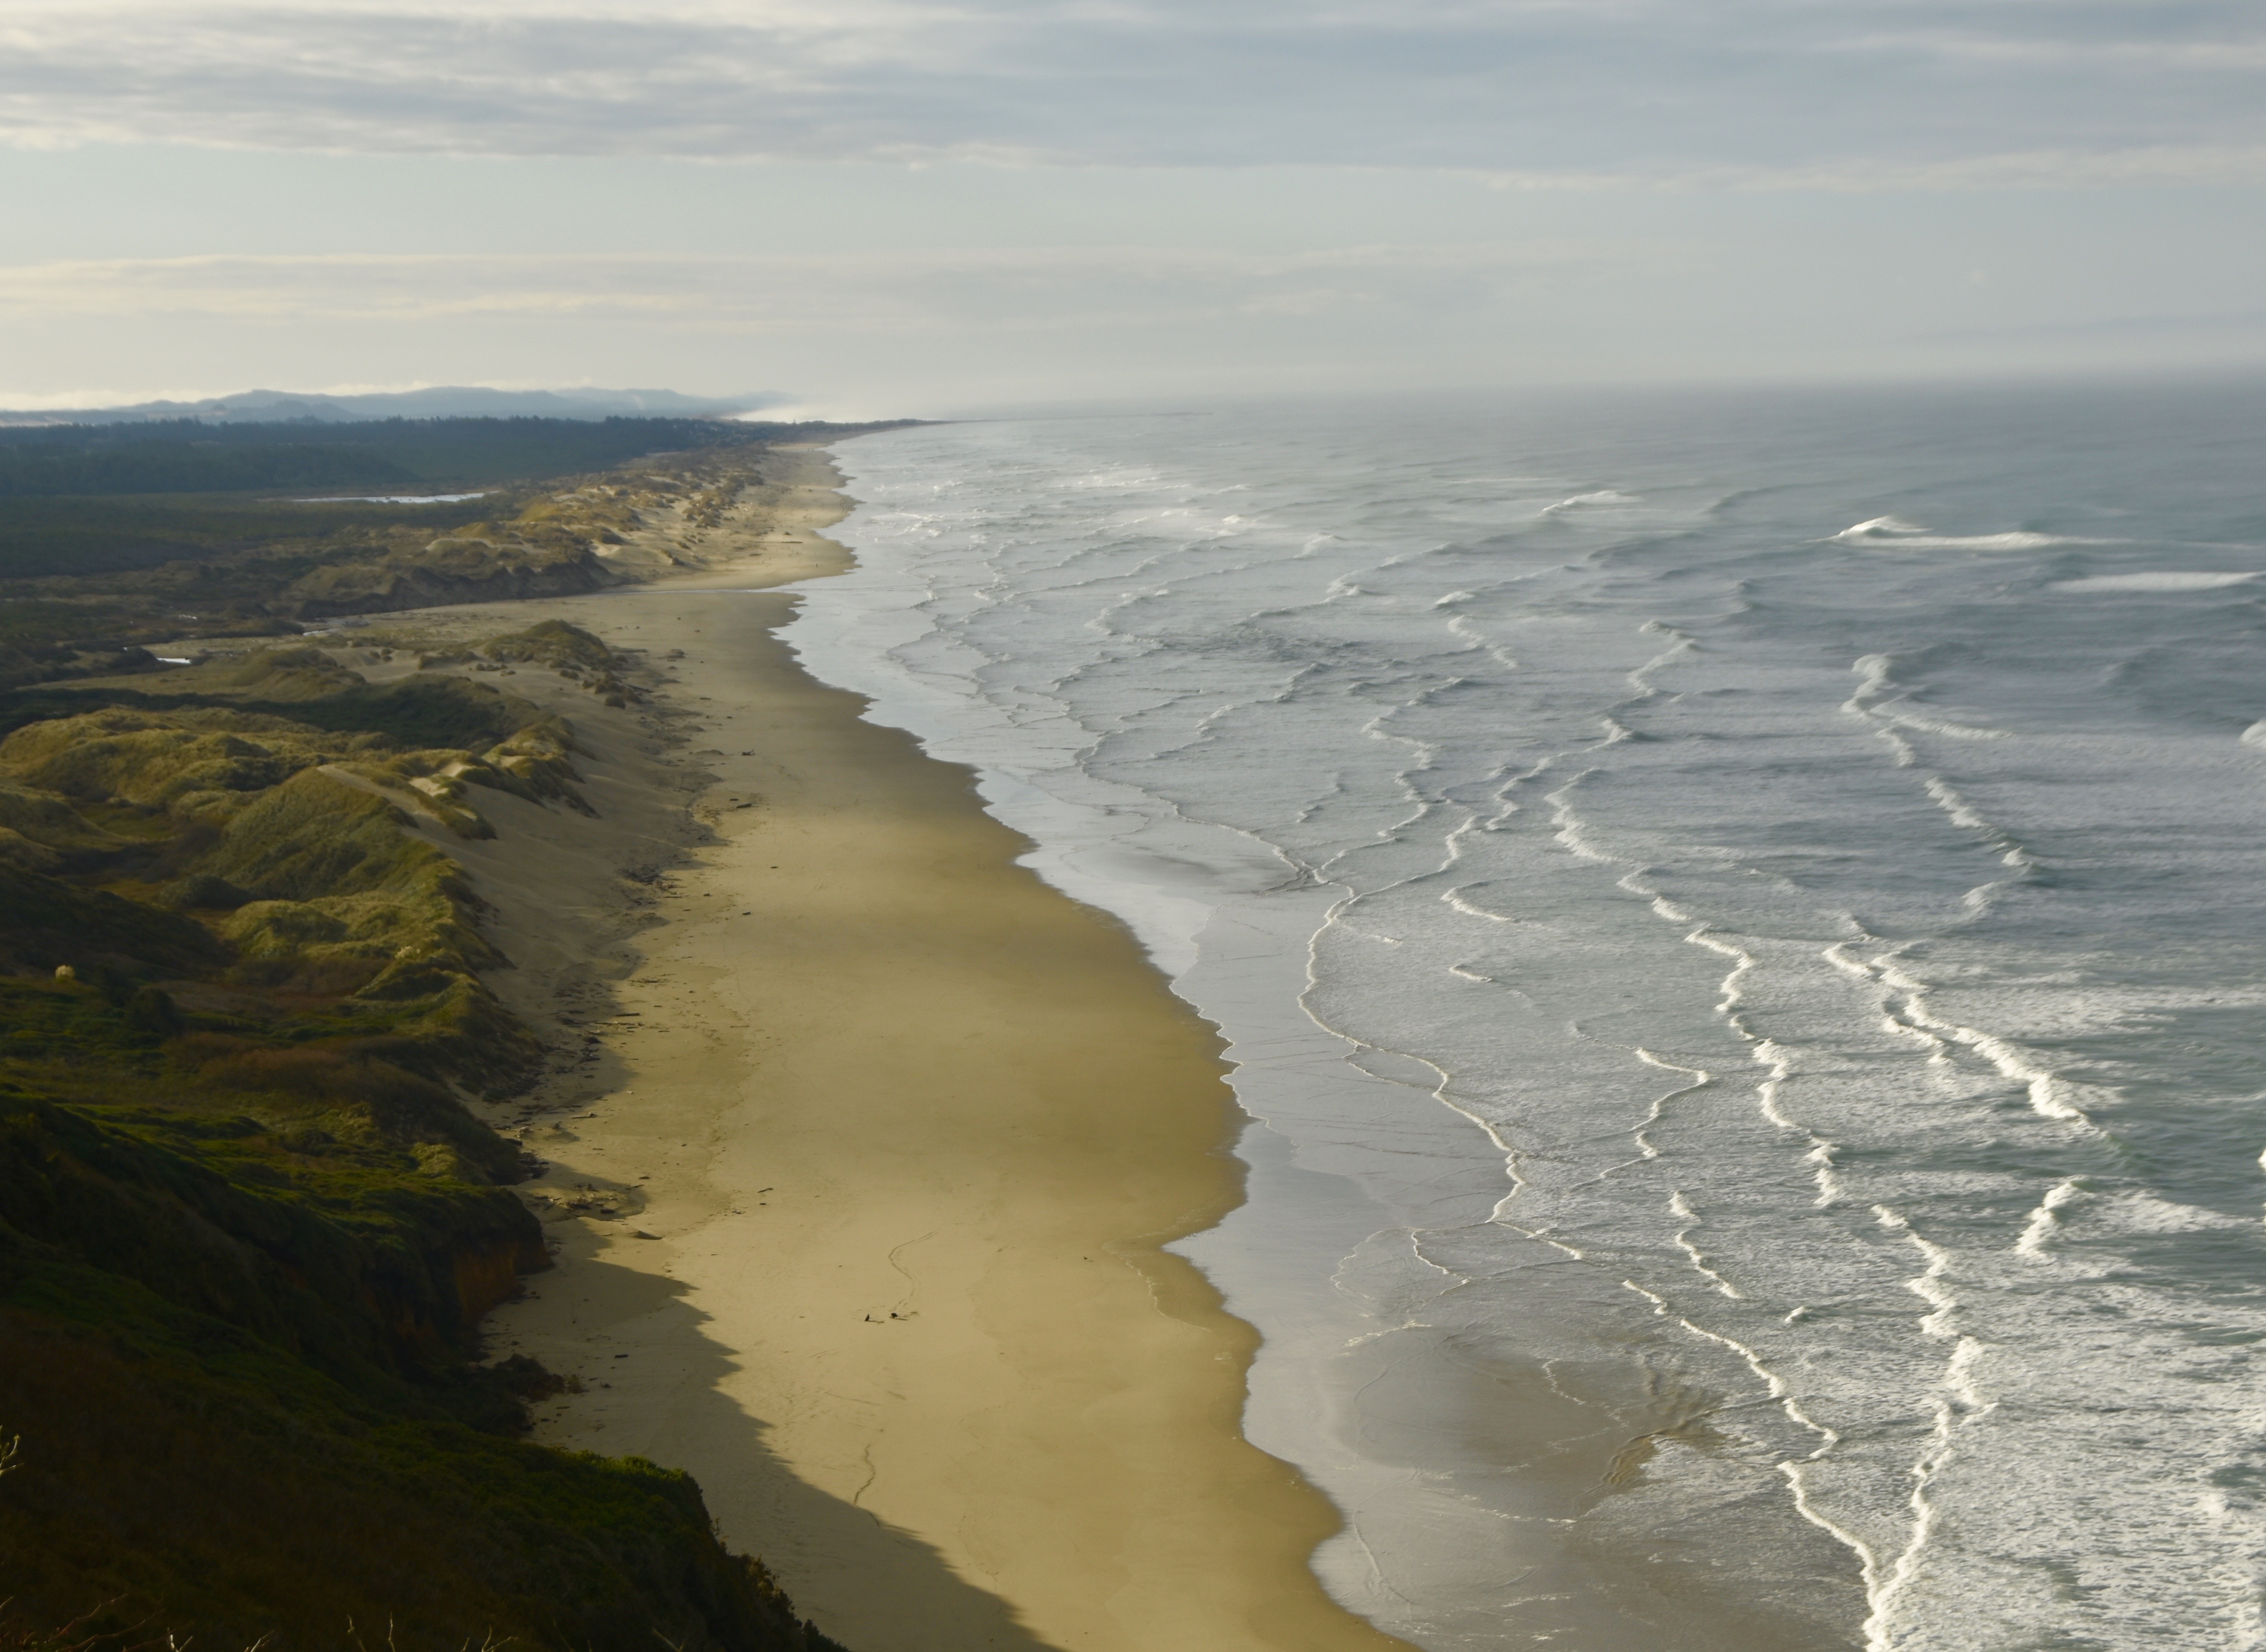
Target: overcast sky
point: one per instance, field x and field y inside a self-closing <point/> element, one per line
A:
<point x="918" y="206"/>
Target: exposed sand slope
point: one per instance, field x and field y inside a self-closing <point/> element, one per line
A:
<point x="907" y="1128"/>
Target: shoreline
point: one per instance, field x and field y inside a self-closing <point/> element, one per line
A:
<point x="878" y="1154"/>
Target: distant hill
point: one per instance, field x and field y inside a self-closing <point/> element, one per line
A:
<point x="458" y="401"/>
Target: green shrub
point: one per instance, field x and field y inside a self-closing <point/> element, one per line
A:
<point x="45" y="922"/>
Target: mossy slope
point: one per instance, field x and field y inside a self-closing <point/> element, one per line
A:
<point x="247" y="1227"/>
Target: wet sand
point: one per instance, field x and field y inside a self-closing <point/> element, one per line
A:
<point x="891" y="1134"/>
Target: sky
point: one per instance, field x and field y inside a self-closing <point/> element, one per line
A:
<point x="876" y="207"/>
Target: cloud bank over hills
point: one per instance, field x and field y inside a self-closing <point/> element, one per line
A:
<point x="1791" y="93"/>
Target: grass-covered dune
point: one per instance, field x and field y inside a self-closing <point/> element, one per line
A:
<point x="248" y="1222"/>
<point x="271" y="567"/>
<point x="60" y="538"/>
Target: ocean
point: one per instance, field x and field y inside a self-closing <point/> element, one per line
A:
<point x="1740" y="918"/>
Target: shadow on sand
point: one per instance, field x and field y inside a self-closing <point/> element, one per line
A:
<point x="870" y="1585"/>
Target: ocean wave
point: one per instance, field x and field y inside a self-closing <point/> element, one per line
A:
<point x="1894" y="533"/>
<point x="2167" y="581"/>
<point x="1602" y="496"/>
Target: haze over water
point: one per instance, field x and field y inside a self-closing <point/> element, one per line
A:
<point x="1743" y="920"/>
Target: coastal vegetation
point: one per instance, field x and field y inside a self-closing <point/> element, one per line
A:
<point x="87" y="499"/>
<point x="250" y="1215"/>
<point x="85" y="580"/>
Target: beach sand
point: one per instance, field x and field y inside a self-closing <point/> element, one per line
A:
<point x="890" y="1134"/>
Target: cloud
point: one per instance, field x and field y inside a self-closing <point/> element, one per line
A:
<point x="2143" y="330"/>
<point x="1573" y="90"/>
<point x="2167" y="164"/>
<point x="1007" y="290"/>
<point x="2242" y="54"/>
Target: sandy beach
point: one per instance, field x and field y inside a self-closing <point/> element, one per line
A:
<point x="861" y="1175"/>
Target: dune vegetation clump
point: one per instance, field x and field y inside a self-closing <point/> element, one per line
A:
<point x="248" y="1220"/>
<point x="570" y="651"/>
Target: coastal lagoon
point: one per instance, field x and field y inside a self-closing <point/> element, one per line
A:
<point x="1741" y="919"/>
